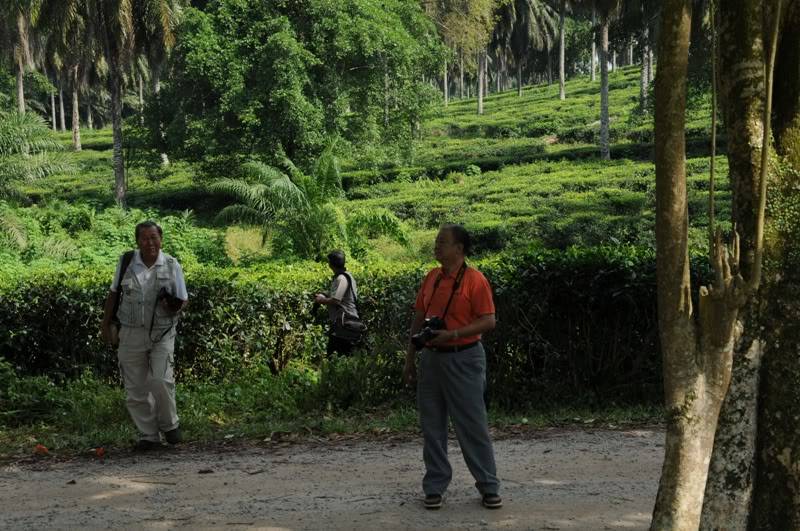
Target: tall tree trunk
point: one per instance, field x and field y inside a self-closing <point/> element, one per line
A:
<point x="698" y="355"/>
<point x="630" y="54"/>
<point x="562" y="9"/>
<point x="53" y="109"/>
<point x="651" y="72"/>
<point x="61" y="108"/>
<point x="461" y="75"/>
<point x="446" y="85"/>
<point x="481" y="75"/>
<point x="644" y="79"/>
<point x="690" y="397"/>
<point x="20" y="85"/>
<point x="115" y="82"/>
<point x="594" y="42"/>
<point x="89" y="119"/>
<point x="613" y="60"/>
<point x="141" y="100"/>
<point x="549" y="67"/>
<point x="605" y="152"/>
<point x="519" y="78"/>
<point x="76" y="117"/>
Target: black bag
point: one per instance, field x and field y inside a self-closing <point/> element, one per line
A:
<point x="348" y="327"/>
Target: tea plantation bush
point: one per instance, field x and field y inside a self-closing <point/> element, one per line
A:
<point x="579" y="324"/>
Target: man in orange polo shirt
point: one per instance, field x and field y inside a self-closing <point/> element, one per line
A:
<point x="452" y="375"/>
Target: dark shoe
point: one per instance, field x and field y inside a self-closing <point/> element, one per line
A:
<point x="492" y="501"/>
<point x="143" y="445"/>
<point x="173" y="436"/>
<point x="433" y="501"/>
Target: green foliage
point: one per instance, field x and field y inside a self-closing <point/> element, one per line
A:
<point x="575" y="323"/>
<point x="301" y="213"/>
<point x="27" y="149"/>
<point x="268" y="79"/>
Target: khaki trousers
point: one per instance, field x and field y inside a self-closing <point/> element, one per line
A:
<point x="147" y="373"/>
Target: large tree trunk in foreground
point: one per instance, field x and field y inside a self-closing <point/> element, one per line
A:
<point x="698" y="351"/>
<point x="728" y="494"/>
<point x="776" y="497"/>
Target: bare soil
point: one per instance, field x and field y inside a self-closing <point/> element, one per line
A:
<point x="552" y="479"/>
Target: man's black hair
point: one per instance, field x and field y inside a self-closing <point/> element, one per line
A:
<point x="336" y="259"/>
<point x="148" y="225"/>
<point x="460" y="235"/>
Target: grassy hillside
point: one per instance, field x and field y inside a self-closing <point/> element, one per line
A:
<point x="526" y="171"/>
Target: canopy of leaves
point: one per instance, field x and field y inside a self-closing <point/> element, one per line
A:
<point x="276" y="78"/>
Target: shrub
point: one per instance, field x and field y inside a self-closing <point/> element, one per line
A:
<point x="580" y="323"/>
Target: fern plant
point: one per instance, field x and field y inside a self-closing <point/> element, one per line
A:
<point x="28" y="151"/>
<point x="302" y="213"/>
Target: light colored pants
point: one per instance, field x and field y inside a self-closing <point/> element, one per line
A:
<point x="147" y="374"/>
<point x="451" y="384"/>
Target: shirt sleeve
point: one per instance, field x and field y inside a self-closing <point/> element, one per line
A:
<point x="115" y="279"/>
<point x="180" y="283"/>
<point x="482" y="301"/>
<point x="339" y="288"/>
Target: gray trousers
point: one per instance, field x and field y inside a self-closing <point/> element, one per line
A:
<point x="147" y="374"/>
<point x="453" y="383"/>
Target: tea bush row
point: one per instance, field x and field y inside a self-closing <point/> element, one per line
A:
<point x="574" y="324"/>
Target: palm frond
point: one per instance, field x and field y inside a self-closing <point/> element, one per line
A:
<point x="12" y="229"/>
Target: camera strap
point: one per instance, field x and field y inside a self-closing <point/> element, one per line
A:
<point x="456" y="284"/>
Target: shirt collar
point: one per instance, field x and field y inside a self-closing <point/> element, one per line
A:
<point x="137" y="259"/>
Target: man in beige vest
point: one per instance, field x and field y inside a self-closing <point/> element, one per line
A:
<point x="152" y="292"/>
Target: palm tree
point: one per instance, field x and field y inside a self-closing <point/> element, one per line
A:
<point x="66" y="24"/>
<point x="27" y="151"/>
<point x="533" y="29"/>
<point x="112" y="28"/>
<point x="607" y="9"/>
<point x="301" y="211"/>
<point x="16" y="17"/>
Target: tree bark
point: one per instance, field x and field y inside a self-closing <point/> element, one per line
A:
<point x="446" y="85"/>
<point x="697" y="354"/>
<point x="61" y="108"/>
<point x="481" y="74"/>
<point x="644" y="78"/>
<point x="461" y="75"/>
<point x="115" y="82"/>
<point x="605" y="152"/>
<point x="76" y="117"/>
<point x="141" y="100"/>
<point x="729" y="488"/>
<point x="519" y="79"/>
<point x="594" y="42"/>
<point x="20" y="85"/>
<point x="53" y="109"/>
<point x="561" y="87"/>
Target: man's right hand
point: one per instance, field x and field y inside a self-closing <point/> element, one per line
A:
<point x="105" y="332"/>
<point x="409" y="372"/>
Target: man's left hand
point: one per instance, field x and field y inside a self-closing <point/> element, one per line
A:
<point x="441" y="337"/>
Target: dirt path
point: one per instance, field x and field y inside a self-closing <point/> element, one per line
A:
<point x="591" y="480"/>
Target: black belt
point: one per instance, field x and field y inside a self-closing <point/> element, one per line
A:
<point x="454" y="348"/>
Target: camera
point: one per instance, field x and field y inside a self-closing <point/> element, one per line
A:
<point x="426" y="334"/>
<point x="173" y="303"/>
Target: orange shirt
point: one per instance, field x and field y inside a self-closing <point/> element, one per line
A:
<point x="472" y="299"/>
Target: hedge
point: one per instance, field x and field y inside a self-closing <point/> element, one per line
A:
<point x="579" y="324"/>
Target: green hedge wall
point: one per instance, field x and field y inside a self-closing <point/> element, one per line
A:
<point x="574" y="325"/>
